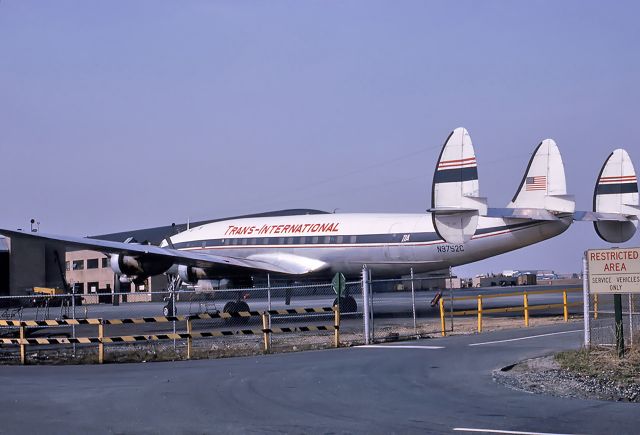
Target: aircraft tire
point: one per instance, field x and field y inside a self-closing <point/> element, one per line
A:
<point x="233" y="307"/>
<point x="242" y="306"/>
<point x="230" y="307"/>
<point x="347" y="305"/>
<point x="168" y="311"/>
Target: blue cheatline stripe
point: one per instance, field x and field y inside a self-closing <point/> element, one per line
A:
<point x="456" y="175"/>
<point x="605" y="189"/>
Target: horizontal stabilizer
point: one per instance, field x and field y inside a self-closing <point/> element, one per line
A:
<point x="522" y="213"/>
<point x="616" y="193"/>
<point x="455" y="195"/>
<point x="592" y="216"/>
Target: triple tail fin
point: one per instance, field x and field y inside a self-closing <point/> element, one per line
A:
<point x="543" y="186"/>
<point x="455" y="196"/>
<point x="616" y="192"/>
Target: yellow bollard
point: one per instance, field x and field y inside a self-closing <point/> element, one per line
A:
<point x="526" y="309"/>
<point x="189" y="339"/>
<point x="595" y="306"/>
<point x="479" y="313"/>
<point x="565" y="308"/>
<point x="23" y="352"/>
<point x="265" y="332"/>
<point x="100" y="343"/>
<point x="442" y="322"/>
<point x="336" y="324"/>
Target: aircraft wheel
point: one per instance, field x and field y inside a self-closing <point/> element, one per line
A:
<point x="347" y="305"/>
<point x="168" y="310"/>
<point x="242" y="306"/>
<point x="232" y="307"/>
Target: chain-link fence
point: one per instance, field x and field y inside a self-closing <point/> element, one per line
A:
<point x="414" y="308"/>
<point x="228" y="322"/>
<point x="401" y="309"/>
<point x="602" y="322"/>
<point x="224" y="322"/>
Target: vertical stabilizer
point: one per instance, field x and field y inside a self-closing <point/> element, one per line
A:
<point x="543" y="185"/>
<point x="455" y="197"/>
<point x="616" y="191"/>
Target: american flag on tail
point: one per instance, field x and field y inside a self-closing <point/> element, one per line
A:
<point x="539" y="182"/>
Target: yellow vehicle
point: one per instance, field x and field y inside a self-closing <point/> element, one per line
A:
<point x="48" y="291"/>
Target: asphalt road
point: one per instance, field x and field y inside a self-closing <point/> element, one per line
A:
<point x="427" y="386"/>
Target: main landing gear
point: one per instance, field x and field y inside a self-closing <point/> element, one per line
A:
<point x="235" y="307"/>
<point x="173" y="284"/>
<point x="347" y="304"/>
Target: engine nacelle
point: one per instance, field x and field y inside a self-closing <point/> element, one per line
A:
<point x="191" y="274"/>
<point x="143" y="265"/>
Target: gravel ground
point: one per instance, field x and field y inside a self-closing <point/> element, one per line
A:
<point x="544" y="375"/>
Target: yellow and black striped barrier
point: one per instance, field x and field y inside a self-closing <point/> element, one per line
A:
<point x="163" y="319"/>
<point x="52" y="340"/>
<point x="156" y="337"/>
<point x="32" y="323"/>
<point x="189" y="335"/>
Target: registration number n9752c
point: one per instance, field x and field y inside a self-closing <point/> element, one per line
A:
<point x="450" y="248"/>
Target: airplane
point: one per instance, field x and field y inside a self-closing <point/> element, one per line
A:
<point x="458" y="228"/>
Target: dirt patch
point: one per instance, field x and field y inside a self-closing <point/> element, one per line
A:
<point x="596" y="374"/>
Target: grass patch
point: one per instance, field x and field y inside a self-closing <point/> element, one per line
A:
<point x="603" y="363"/>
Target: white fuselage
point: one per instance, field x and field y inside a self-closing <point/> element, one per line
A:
<point x="391" y="244"/>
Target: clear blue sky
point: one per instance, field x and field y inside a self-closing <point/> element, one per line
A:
<point x="120" y="115"/>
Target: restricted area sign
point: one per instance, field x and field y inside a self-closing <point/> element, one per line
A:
<point x="615" y="270"/>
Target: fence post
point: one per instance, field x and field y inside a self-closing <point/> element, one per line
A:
<point x="336" y="324"/>
<point x="442" y="321"/>
<point x="565" y="308"/>
<point x="365" y="303"/>
<point x="413" y="305"/>
<point x="23" y="353"/>
<point x="479" y="313"/>
<point x="586" y="300"/>
<point x="269" y="302"/>
<point x="266" y="331"/>
<point x="73" y="316"/>
<point x="100" y="342"/>
<point x="617" y="308"/>
<point x="189" y="338"/>
<point x="173" y="314"/>
<point x="526" y="309"/>
<point x="631" y="318"/>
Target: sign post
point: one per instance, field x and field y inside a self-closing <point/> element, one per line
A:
<point x="339" y="285"/>
<point x="617" y="308"/>
<point x="615" y="271"/>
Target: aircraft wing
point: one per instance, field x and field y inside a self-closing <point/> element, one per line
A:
<point x="289" y="264"/>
